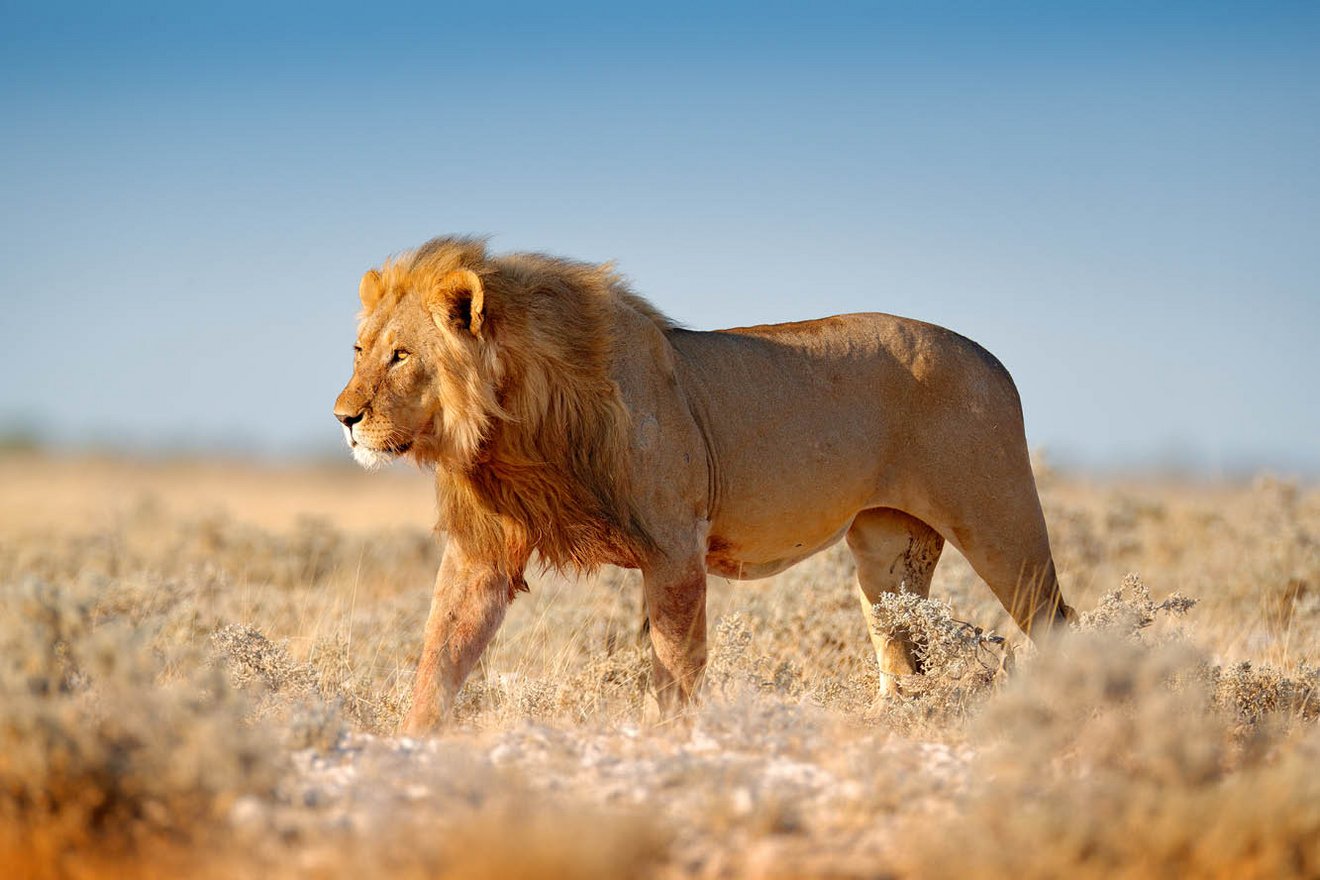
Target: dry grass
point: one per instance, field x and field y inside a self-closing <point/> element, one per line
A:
<point x="202" y="664"/>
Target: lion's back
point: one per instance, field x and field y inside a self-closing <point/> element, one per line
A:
<point x="854" y="353"/>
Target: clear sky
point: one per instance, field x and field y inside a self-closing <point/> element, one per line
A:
<point x="1121" y="200"/>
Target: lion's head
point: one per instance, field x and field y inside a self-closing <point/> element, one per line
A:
<point x="497" y="371"/>
<point x="425" y="370"/>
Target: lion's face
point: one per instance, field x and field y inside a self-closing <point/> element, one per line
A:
<point x="385" y="408"/>
<point x="423" y="379"/>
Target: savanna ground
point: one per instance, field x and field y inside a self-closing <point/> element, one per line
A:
<point x="202" y="664"/>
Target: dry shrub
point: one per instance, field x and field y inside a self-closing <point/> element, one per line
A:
<point x="1109" y="758"/>
<point x="1130" y="609"/>
<point x="1121" y="751"/>
<point x="253" y="660"/>
<point x="315" y="699"/>
<point x="145" y="540"/>
<point x="736" y="666"/>
<point x="959" y="660"/>
<point x="1250" y="692"/>
<point x="1256" y="693"/>
<point x="608" y="684"/>
<point x="105" y="743"/>
<point x="286" y="696"/>
<point x="140" y="663"/>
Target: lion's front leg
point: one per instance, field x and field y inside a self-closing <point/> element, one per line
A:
<point x="676" y="604"/>
<point x="467" y="608"/>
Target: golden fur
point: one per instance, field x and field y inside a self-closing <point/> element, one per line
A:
<point x="565" y="416"/>
<point x="530" y="443"/>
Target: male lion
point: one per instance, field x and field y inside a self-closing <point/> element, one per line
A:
<point x="564" y="415"/>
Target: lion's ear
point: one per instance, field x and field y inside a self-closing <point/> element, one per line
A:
<point x="460" y="301"/>
<point x="371" y="289"/>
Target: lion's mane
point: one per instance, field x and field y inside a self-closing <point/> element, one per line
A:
<point x="542" y="448"/>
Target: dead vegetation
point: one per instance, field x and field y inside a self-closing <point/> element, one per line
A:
<point x="186" y="689"/>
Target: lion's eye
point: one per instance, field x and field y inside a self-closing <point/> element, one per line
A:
<point x="357" y="349"/>
<point x="399" y="356"/>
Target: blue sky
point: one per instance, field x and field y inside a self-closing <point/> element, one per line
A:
<point x="1121" y="201"/>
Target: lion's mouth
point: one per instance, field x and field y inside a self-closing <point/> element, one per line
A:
<point x="398" y="448"/>
<point x="371" y="456"/>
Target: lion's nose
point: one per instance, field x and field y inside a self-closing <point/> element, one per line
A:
<point x="348" y="420"/>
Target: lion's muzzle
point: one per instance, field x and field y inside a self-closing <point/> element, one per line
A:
<point x="348" y="419"/>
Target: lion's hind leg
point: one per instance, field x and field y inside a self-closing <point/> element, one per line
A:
<point x="894" y="552"/>
<point x="1017" y="564"/>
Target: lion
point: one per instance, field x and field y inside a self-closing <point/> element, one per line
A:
<point x="565" y="416"/>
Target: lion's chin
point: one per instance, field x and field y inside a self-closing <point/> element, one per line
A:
<point x="371" y="459"/>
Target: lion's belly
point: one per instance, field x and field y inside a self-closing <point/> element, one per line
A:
<point x="727" y="557"/>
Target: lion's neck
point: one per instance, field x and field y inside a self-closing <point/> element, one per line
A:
<point x="516" y="500"/>
<point x="552" y="475"/>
